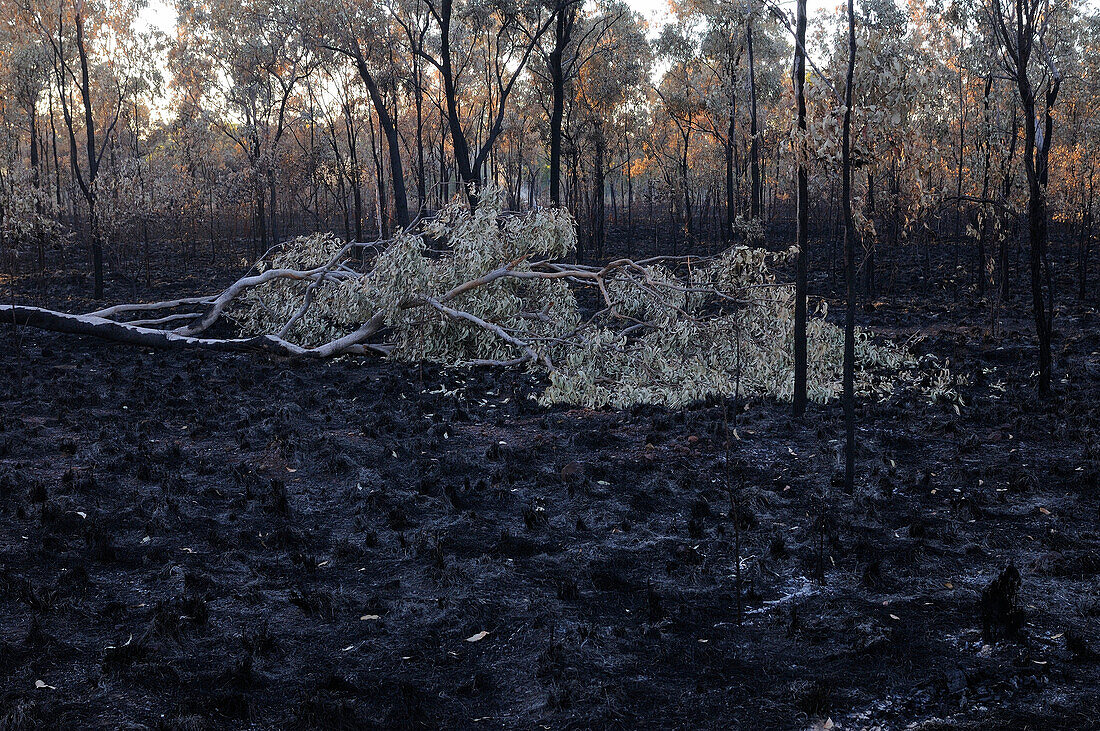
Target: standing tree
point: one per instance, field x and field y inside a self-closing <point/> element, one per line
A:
<point x="755" y="182"/>
<point x="503" y="36"/>
<point x="258" y="63"/>
<point x="70" y="28"/>
<point x="363" y="32"/>
<point x="612" y="69"/>
<point x="849" y="396"/>
<point x="802" y="214"/>
<point x="1021" y="28"/>
<point x="560" y="70"/>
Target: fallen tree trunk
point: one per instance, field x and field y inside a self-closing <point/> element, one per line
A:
<point x="149" y="337"/>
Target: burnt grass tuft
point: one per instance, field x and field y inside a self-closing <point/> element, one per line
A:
<point x="263" y="544"/>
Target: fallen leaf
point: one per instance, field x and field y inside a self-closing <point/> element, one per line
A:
<point x="1044" y="511"/>
<point x="949" y="585"/>
<point x="478" y="637"/>
<point x="369" y="617"/>
<point x="894" y="616"/>
<point x="41" y="685"/>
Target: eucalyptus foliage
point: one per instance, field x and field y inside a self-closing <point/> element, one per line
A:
<point x="485" y="286"/>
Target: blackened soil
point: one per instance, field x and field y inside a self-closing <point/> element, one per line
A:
<point x="196" y="541"/>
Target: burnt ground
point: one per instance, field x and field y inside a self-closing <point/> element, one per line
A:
<point x="196" y="541"/>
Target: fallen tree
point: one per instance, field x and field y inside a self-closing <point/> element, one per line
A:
<point x="486" y="287"/>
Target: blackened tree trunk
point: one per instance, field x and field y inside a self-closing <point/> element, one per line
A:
<point x="754" y="142"/>
<point x="470" y="168"/>
<point x="731" y="190"/>
<point x="53" y="150"/>
<point x="985" y="209"/>
<point x="32" y="119"/>
<point x="354" y="171"/>
<point x="393" y="142"/>
<point x="421" y="179"/>
<point x="849" y="261"/>
<point x="1085" y="241"/>
<point x="598" y="181"/>
<point x="565" y="17"/>
<point x="730" y="150"/>
<point x="261" y="218"/>
<point x="1020" y="30"/>
<point x="802" y="214"/>
<point x="869" y="259"/>
<point x="86" y="182"/>
<point x="271" y="188"/>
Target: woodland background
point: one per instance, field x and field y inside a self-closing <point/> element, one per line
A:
<point x="261" y="120"/>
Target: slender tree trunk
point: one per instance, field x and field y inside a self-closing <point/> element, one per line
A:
<point x="56" y="157"/>
<point x="754" y="142"/>
<point x="380" y="183"/>
<point x="731" y="189"/>
<point x="629" y="193"/>
<point x="469" y="177"/>
<point x="355" y="177"/>
<point x="869" y="262"/>
<point x="272" y="212"/>
<point x="1036" y="155"/>
<point x="1006" y="190"/>
<point x="393" y="143"/>
<point x="801" y="213"/>
<point x="93" y="161"/>
<point x="598" y="212"/>
<point x="959" y="172"/>
<point x="1084" y="243"/>
<point x="685" y="177"/>
<point x="32" y="118"/>
<point x="261" y="219"/>
<point x="1037" y="235"/>
<point x="849" y="262"/>
<point x="563" y="28"/>
<point x="421" y="180"/>
<point x="986" y="213"/>
<point x="444" y="176"/>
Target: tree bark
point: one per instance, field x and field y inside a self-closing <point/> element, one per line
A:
<point x="93" y="161"/>
<point x="849" y="395"/>
<point x="393" y="142"/>
<point x="565" y="16"/>
<point x="802" y="215"/>
<point x="754" y="143"/>
<point x="598" y="211"/>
